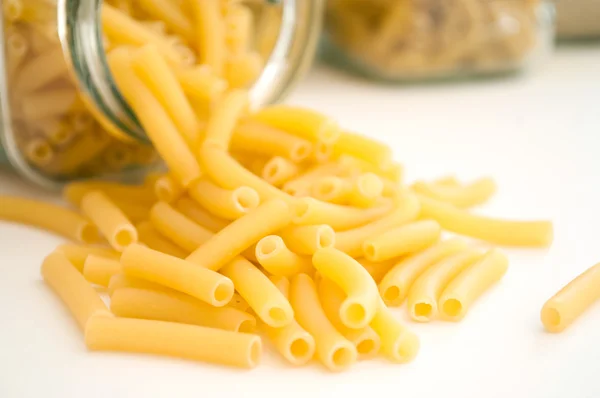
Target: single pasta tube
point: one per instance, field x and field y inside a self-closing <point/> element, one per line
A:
<point x="322" y="152"/>
<point x="171" y="306"/>
<point x="75" y="191"/>
<point x="358" y="309"/>
<point x="307" y="239"/>
<point x="261" y="139"/>
<point x="243" y="69"/>
<point x="223" y="203"/>
<point x="173" y="339"/>
<point x="351" y="241"/>
<point x="156" y="74"/>
<point x="300" y="186"/>
<point x="156" y="122"/>
<point x="241" y="234"/>
<point x="259" y="292"/>
<point x="228" y="173"/>
<point x="377" y="270"/>
<point x="109" y="219"/>
<point x="311" y="211"/>
<point x="150" y="237"/>
<point x="277" y="259"/>
<point x="46" y="216"/>
<point x="278" y="170"/>
<point x="39" y="152"/>
<point x="167" y="189"/>
<point x="466" y="196"/>
<point x="331" y="189"/>
<point x="397" y="342"/>
<point x="365" y="190"/>
<point x="200" y="82"/>
<point x="99" y="270"/>
<point x="178" y="228"/>
<point x="397" y="281"/>
<point x="239" y="28"/>
<point x="199" y="215"/>
<point x="222" y="121"/>
<point x="402" y="240"/>
<point x="331" y="296"/>
<point x="470" y="284"/>
<point x="122" y="281"/>
<point x="171" y="15"/>
<point x="123" y="29"/>
<point x="209" y="34"/>
<point x="301" y="122"/>
<point x="503" y="232"/>
<point x="425" y="292"/>
<point x="77" y="294"/>
<point x="77" y="254"/>
<point x="364" y="148"/>
<point x="571" y="301"/>
<point x="177" y="274"/>
<point x="333" y="349"/>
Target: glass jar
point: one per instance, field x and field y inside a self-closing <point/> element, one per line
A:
<point x="405" y="40"/>
<point x="63" y="117"/>
<point x="577" y="19"/>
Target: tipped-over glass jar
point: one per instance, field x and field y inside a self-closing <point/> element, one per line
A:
<point x="405" y="40"/>
<point x="64" y="118"/>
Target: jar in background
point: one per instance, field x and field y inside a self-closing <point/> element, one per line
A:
<point x="577" y="19"/>
<point x="406" y="40"/>
<point x="63" y="117"/>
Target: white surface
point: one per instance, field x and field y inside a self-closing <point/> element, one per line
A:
<point x="538" y="135"/>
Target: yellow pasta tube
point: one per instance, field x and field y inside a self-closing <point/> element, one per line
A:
<point x="77" y="254"/>
<point x="260" y="293"/>
<point x="46" y="216"/>
<point x="363" y="147"/>
<point x="470" y="284"/>
<point x="48" y="104"/>
<point x="376" y="270"/>
<point x="228" y="173"/>
<point x="225" y="116"/>
<point x="169" y="13"/>
<point x="365" y="190"/>
<point x="261" y="139"/>
<point x="155" y="120"/>
<point x="201" y="82"/>
<point x="177" y="274"/>
<point x="178" y="228"/>
<point x="77" y="294"/>
<point x="397" y="342"/>
<point x="167" y="189"/>
<point x="277" y="259"/>
<point x="333" y="350"/>
<point x="302" y="122"/>
<point x="311" y="211"/>
<point x="307" y="239"/>
<point x="238" y="302"/>
<point x="427" y="289"/>
<point x="351" y="241"/>
<point x="243" y="69"/>
<point x="38" y="72"/>
<point x="39" y="152"/>
<point x="123" y="29"/>
<point x="171" y="306"/>
<point x="239" y="29"/>
<point x="111" y="221"/>
<point x="294" y="343"/>
<point x="75" y="191"/>
<point x="331" y="189"/>
<point x="209" y="34"/>
<point x="156" y="74"/>
<point x="199" y="215"/>
<point x="470" y="195"/>
<point x="358" y="309"/>
<point x="99" y="270"/>
<point x="241" y="234"/>
<point x="571" y="301"/>
<point x="150" y="237"/>
<point x="503" y="232"/>
<point x="223" y="203"/>
<point x="397" y="281"/>
<point x="174" y="339"/>
<point x="121" y="281"/>
<point x="278" y="170"/>
<point x="331" y="296"/>
<point x="402" y="240"/>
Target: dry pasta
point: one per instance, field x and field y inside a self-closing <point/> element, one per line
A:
<point x="150" y="237"/>
<point x="77" y="294"/>
<point x="77" y="254"/>
<point x="363" y="147"/>
<point x="209" y="34"/>
<point x="333" y="350"/>
<point x="167" y="189"/>
<point x="571" y="301"/>
<point x="173" y="339"/>
<point x="278" y="170"/>
<point x="222" y="121"/>
<point x="397" y="342"/>
<point x="307" y="239"/>
<point x="169" y="13"/>
<point x="178" y="228"/>
<point x="277" y="259"/>
<point x="200" y="215"/>
<point x="223" y="203"/>
<point x="470" y="195"/>
<point x="75" y="191"/>
<point x="99" y="270"/>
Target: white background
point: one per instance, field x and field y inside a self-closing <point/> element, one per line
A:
<point x="538" y="135"/>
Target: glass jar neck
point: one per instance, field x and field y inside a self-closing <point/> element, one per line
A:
<point x="80" y="34"/>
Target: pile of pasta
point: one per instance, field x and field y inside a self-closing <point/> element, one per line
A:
<point x="55" y="130"/>
<point x="406" y="38"/>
